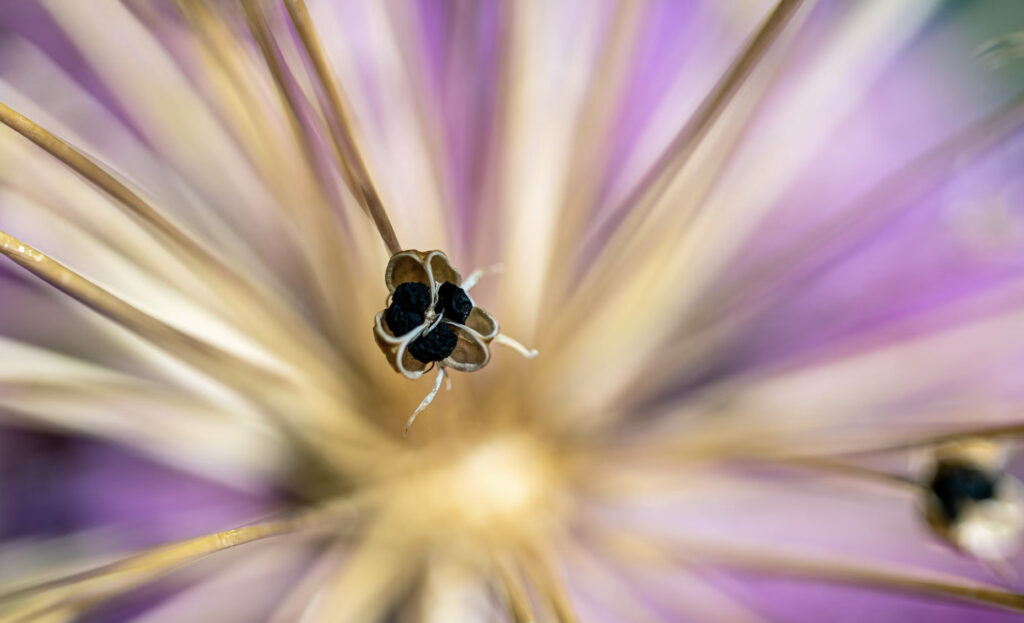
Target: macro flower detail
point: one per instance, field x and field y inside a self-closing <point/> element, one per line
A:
<point x="431" y="319"/>
<point x="428" y="299"/>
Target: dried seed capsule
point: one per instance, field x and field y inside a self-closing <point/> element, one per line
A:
<point x="447" y="340"/>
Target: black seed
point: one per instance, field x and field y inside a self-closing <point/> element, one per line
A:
<point x="955" y="485"/>
<point x="412" y="295"/>
<point x="453" y="302"/>
<point x="434" y="346"/>
<point x="401" y="320"/>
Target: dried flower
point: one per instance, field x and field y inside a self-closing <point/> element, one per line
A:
<point x="427" y="288"/>
<point x="430" y="319"/>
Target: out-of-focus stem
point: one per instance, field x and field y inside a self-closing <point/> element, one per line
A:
<point x="342" y="138"/>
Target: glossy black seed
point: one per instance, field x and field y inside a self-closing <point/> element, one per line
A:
<point x="434" y="346"/>
<point x="413" y="296"/>
<point x="401" y="320"/>
<point x="453" y="302"/>
<point x="955" y="485"/>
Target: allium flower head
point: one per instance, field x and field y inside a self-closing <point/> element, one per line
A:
<point x="769" y="254"/>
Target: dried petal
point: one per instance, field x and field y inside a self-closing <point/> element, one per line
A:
<point x="483" y="323"/>
<point x="409" y="366"/>
<point x="405" y="267"/>
<point x="470" y="352"/>
<point x="395" y="349"/>
<point x="441" y="269"/>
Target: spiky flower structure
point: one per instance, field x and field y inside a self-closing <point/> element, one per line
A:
<point x="769" y="253"/>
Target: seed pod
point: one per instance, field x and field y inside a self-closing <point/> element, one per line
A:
<point x="971" y="502"/>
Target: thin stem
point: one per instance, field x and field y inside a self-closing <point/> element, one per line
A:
<point x="505" y="340"/>
<point x="1003" y="431"/>
<point x="221" y="53"/>
<point x="260" y="310"/>
<point x="203" y="355"/>
<point x="684" y="144"/>
<point x="342" y="138"/>
<point x="474" y="277"/>
<point x="90" y="170"/>
<point x="606" y="86"/>
<point x="609" y="587"/>
<point x="514" y="592"/>
<point x="265" y="387"/>
<point x="850" y="470"/>
<point x="864" y="215"/>
<point x="96" y="174"/>
<point x="912" y="581"/>
<point x="115" y="577"/>
<point x="441" y="374"/>
<point x="290" y="103"/>
<point x="320" y="231"/>
<point x="542" y="569"/>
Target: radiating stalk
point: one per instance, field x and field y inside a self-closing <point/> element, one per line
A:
<point x="672" y="550"/>
<point x="193" y="252"/>
<point x="276" y="391"/>
<point x="658" y="177"/>
<point x="87" y="588"/>
<point x="871" y="209"/>
<point x="513" y="592"/>
<point x="548" y="581"/>
<point x="330" y="250"/>
<point x="199" y="353"/>
<point x="349" y="158"/>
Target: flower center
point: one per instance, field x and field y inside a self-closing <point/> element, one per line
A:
<point x="499" y="489"/>
<point x="502" y="480"/>
<point x="410" y="308"/>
